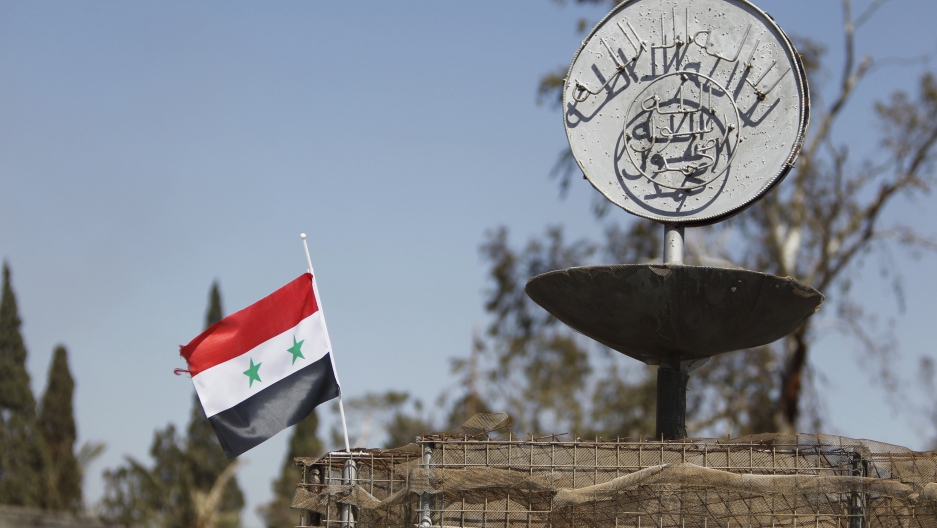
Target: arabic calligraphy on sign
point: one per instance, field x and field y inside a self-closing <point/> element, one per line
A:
<point x="682" y="131"/>
<point x="685" y="111"/>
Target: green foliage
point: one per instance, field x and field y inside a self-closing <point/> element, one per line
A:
<point x="128" y="496"/>
<point x="623" y="403"/>
<point x="24" y="458"/>
<point x="171" y="496"/>
<point x="536" y="366"/>
<point x="403" y="428"/>
<point x="88" y="453"/>
<point x="160" y="496"/>
<point x="550" y="88"/>
<point x="15" y="394"/>
<point x="205" y="459"/>
<point x="57" y="423"/>
<point x="215" y="313"/>
<point x="471" y="402"/>
<point x="191" y="483"/>
<point x="392" y="415"/>
<point x="304" y="442"/>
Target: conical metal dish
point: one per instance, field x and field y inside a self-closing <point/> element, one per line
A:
<point x="666" y="314"/>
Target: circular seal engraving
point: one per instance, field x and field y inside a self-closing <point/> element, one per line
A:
<point x="682" y="131"/>
<point x="685" y="112"/>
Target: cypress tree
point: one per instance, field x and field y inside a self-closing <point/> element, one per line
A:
<point x="24" y="459"/>
<point x="57" y="423"/>
<point x="214" y="313"/>
<point x="303" y="443"/>
<point x="184" y="471"/>
<point x="205" y="458"/>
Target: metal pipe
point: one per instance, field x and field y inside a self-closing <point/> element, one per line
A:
<point x="426" y="499"/>
<point x="858" y="501"/>
<point x="671" y="403"/>
<point x="313" y="518"/>
<point x="673" y="244"/>
<point x="349" y="476"/>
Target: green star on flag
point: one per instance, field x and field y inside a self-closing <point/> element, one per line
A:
<point x="296" y="350"/>
<point x="252" y="373"/>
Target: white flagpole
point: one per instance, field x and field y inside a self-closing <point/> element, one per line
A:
<point x="341" y="408"/>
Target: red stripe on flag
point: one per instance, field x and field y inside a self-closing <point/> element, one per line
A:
<point x="244" y="330"/>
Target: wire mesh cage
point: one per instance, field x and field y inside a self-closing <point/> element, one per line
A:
<point x="477" y="480"/>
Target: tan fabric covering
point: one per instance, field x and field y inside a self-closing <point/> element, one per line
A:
<point x="765" y="480"/>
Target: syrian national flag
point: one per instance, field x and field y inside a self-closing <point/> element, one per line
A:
<point x="264" y="368"/>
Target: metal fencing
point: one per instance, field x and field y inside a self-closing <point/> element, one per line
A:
<point x="755" y="481"/>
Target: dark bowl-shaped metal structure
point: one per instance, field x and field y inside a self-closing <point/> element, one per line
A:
<point x="665" y="314"/>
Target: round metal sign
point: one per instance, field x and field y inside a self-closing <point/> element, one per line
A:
<point x="685" y="112"/>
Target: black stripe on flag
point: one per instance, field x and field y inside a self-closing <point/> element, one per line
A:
<point x="282" y="404"/>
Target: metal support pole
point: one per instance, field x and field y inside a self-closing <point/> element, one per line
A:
<point x="673" y="244"/>
<point x="857" y="501"/>
<point x="349" y="476"/>
<point x="426" y="499"/>
<point x="671" y="403"/>
<point x="314" y="518"/>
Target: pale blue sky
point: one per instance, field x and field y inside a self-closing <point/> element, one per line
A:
<point x="148" y="148"/>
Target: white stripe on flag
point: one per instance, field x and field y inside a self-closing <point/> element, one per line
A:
<point x="226" y="385"/>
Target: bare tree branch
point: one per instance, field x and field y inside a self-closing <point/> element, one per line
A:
<point x="869" y="11"/>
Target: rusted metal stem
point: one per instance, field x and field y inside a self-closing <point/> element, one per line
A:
<point x="671" y="403"/>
